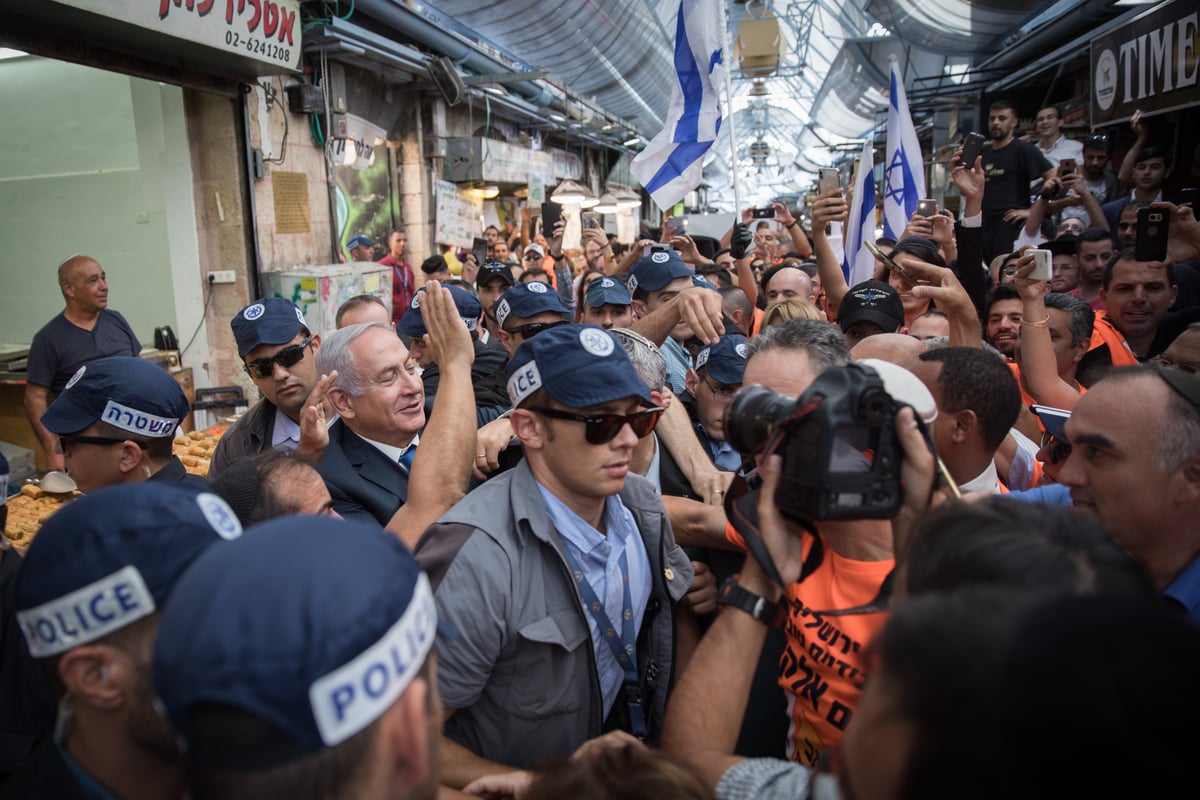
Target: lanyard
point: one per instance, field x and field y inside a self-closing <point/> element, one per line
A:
<point x="401" y="276"/>
<point x="624" y="650"/>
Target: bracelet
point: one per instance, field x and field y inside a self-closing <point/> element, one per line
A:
<point x="790" y="225"/>
<point x="558" y="257"/>
<point x="1041" y="323"/>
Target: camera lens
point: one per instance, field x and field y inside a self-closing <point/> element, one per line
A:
<point x="752" y="414"/>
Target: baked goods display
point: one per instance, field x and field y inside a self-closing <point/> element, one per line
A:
<point x="27" y="511"/>
<point x="195" y="450"/>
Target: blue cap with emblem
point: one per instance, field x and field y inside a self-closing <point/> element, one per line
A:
<point x="268" y="320"/>
<point x="871" y="301"/>
<point x="359" y="240"/>
<point x="606" y="291"/>
<point x="525" y="300"/>
<point x="578" y="366"/>
<point x="469" y="309"/>
<point x="129" y="393"/>
<point x="109" y="558"/>
<point x="655" y="270"/>
<point x="319" y="646"/>
<point x="726" y="360"/>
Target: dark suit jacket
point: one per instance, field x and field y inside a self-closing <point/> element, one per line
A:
<point x="363" y="483"/>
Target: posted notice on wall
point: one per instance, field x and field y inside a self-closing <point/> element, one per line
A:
<point x="457" y="219"/>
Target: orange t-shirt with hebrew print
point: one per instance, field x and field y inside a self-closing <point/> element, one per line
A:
<point x="824" y="666"/>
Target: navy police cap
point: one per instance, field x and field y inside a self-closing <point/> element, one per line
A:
<point x="109" y="558"/>
<point x="469" y="310"/>
<point x="319" y="645"/>
<point x="578" y="366"/>
<point x="132" y="394"/>
<point x="655" y="270"/>
<point x="726" y="360"/>
<point x="268" y="320"/>
<point x="525" y="300"/>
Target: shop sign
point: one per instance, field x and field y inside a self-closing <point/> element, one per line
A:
<point x="1150" y="63"/>
<point x="537" y="189"/>
<point x="480" y="159"/>
<point x="261" y="30"/>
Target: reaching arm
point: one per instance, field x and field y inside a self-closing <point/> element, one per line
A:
<point x="706" y="710"/>
<point x="942" y="286"/>
<point x="37" y="400"/>
<point x="1141" y="133"/>
<point x="460" y="766"/>
<point x="702" y="309"/>
<point x="441" y="469"/>
<point x="674" y="430"/>
<point x="829" y="207"/>
<point x="800" y="243"/>
<point x="697" y="524"/>
<point x="1039" y="367"/>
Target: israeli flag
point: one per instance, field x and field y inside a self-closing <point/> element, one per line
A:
<point x="858" y="264"/>
<point x="672" y="164"/>
<point x="904" y="177"/>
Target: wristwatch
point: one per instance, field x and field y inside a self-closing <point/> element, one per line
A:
<point x="790" y="225"/>
<point x="734" y="594"/>
<point x="558" y="257"/>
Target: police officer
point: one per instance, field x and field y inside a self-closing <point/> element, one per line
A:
<point x="88" y="599"/>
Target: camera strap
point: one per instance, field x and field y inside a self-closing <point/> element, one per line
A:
<point x="741" y="509"/>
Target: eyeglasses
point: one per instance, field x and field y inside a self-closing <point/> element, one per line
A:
<point x="66" y="441"/>
<point x="532" y="257"/>
<point x="603" y="428"/>
<point x="528" y="331"/>
<point x="721" y="390"/>
<point x="1056" y="449"/>
<point x="262" y="368"/>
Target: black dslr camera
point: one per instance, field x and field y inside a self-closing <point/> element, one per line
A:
<point x="841" y="455"/>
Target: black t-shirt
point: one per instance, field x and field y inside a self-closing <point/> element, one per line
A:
<point x="60" y="348"/>
<point x="1009" y="172"/>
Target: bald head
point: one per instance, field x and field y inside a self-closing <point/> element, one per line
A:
<point x="897" y="348"/>
<point x="68" y="267"/>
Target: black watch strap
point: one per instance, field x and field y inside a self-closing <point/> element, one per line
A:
<point x="734" y="594"/>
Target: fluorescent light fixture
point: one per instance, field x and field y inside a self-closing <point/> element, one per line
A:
<point x="8" y="52"/>
<point x="556" y="117"/>
<point x="628" y="199"/>
<point x="630" y="142"/>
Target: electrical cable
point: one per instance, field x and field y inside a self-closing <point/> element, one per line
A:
<point x="203" y="311"/>
<point x="272" y="100"/>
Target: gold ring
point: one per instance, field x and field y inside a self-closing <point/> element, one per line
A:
<point x="719" y="491"/>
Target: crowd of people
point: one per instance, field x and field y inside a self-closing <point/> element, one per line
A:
<point x="530" y="533"/>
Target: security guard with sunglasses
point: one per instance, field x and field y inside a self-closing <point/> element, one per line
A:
<point x="561" y="575"/>
<point x="279" y="354"/>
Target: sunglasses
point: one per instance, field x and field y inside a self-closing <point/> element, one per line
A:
<point x="1056" y="449"/>
<point x="532" y="257"/>
<point x="532" y="329"/>
<point x="603" y="428"/>
<point x="65" y="441"/>
<point x="1096" y="140"/>
<point x="262" y="368"/>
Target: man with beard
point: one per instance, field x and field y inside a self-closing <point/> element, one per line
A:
<point x="1002" y="323"/>
<point x="1093" y="249"/>
<point x="88" y="599"/>
<point x="1010" y="164"/>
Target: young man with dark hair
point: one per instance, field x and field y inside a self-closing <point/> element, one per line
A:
<point x="1093" y="249"/>
<point x="1052" y="144"/>
<point x="1010" y="164"/>
<point x="1002" y="319"/>
<point x="1151" y="168"/>
<point x="560" y="575"/>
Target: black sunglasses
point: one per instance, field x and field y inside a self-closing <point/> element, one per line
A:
<point x="528" y="331"/>
<point x="262" y="368"/>
<point x="603" y="428"/>
<point x="64" y="441"/>
<point x="1096" y="140"/>
<point x="532" y="256"/>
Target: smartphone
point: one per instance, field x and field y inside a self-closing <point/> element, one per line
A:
<point x="972" y="147"/>
<point x="891" y="265"/>
<point x="479" y="250"/>
<point x="677" y="226"/>
<point x="927" y="208"/>
<point x="1152" y="232"/>
<point x="1043" y="265"/>
<point x="829" y="180"/>
<point x="655" y="248"/>
<point x="551" y="214"/>
<point x="1066" y="167"/>
<point x="589" y="219"/>
<point x="763" y="213"/>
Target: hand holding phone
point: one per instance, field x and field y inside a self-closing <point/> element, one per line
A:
<point x="1043" y="265"/>
<point x="763" y="213"/>
<point x="1066" y="167"/>
<point x="927" y="208"/>
<point x="829" y="180"/>
<point x="890" y="264"/>
<point x="551" y="214"/>
<point x="972" y="148"/>
<point x="589" y="219"/>
<point x="1153" y="229"/>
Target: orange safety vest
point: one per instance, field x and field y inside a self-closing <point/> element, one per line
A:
<point x="1105" y="333"/>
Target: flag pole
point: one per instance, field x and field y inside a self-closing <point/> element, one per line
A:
<point x="727" y="57"/>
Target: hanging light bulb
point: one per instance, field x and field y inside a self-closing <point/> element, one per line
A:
<point x="628" y="199"/>
<point x="759" y="89"/>
<point x="569" y="191"/>
<point x="607" y="204"/>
